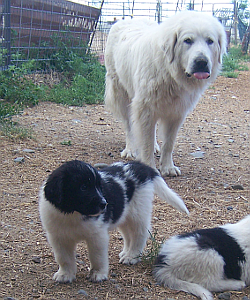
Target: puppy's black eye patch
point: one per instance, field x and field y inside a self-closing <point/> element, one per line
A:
<point x="83" y="187"/>
<point x="188" y="41"/>
<point x="210" y="41"/>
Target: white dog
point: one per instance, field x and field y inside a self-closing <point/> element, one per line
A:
<point x="158" y="73"/>
<point x="205" y="260"/>
<point x="78" y="202"/>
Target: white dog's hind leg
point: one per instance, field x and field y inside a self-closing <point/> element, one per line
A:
<point x="117" y="101"/>
<point x="98" y="255"/>
<point x="156" y="145"/>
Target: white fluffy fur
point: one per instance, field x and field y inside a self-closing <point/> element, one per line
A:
<point x="64" y="231"/>
<point x="196" y="271"/>
<point x="146" y="79"/>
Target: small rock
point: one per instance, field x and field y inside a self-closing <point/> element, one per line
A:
<point x="229" y="208"/>
<point x="9" y="298"/>
<point x="82" y="292"/>
<point x="36" y="259"/>
<point x="76" y="121"/>
<point x="28" y="150"/>
<point x="19" y="159"/>
<point x="198" y="154"/>
<point x="237" y="187"/>
<point x="145" y="289"/>
<point x="224" y="296"/>
<point x="230" y="140"/>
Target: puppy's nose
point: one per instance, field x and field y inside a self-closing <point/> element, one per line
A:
<point x="103" y="204"/>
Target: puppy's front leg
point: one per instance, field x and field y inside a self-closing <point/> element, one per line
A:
<point x="98" y="255"/>
<point x="64" y="251"/>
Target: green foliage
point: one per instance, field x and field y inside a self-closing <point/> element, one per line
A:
<point x="150" y="255"/>
<point x="234" y="62"/>
<point x="82" y="78"/>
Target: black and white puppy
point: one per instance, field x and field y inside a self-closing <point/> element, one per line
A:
<point x="78" y="202"/>
<point x="206" y="260"/>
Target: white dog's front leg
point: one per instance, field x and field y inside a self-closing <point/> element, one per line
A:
<point x="98" y="255"/>
<point x="169" y="130"/>
<point x="144" y="132"/>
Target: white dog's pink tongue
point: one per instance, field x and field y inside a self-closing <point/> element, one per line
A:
<point x="201" y="75"/>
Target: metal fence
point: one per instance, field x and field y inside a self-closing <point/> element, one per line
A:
<point x="28" y="29"/>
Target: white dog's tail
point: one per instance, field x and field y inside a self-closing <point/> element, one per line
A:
<point x="163" y="277"/>
<point x="168" y="195"/>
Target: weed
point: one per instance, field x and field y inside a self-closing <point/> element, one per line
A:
<point x="150" y="255"/>
<point x="66" y="143"/>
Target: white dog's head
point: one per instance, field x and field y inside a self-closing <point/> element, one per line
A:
<point x="195" y="43"/>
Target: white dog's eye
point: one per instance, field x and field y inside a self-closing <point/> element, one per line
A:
<point x="188" y="41"/>
<point x="210" y="41"/>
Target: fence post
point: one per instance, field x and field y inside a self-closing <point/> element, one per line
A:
<point x="7" y="31"/>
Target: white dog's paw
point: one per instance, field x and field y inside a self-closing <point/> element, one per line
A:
<point x="64" y="277"/>
<point x="129" y="259"/>
<point x="127" y="153"/>
<point x="97" y="276"/>
<point x="170" y="171"/>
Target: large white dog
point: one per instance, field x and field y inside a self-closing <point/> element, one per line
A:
<point x="158" y="73"/>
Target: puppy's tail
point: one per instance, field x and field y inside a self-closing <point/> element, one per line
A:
<point x="165" y="277"/>
<point x="168" y="195"/>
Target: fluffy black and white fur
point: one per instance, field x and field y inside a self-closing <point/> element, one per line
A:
<point x="78" y="202"/>
<point x="206" y="260"/>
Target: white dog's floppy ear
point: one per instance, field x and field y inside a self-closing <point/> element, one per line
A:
<point x="222" y="41"/>
<point x="169" y="46"/>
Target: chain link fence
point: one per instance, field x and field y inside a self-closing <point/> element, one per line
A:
<point x="35" y="29"/>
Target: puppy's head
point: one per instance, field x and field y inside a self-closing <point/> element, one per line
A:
<point x="75" y="186"/>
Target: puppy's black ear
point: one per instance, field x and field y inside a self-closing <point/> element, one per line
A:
<point x="53" y="190"/>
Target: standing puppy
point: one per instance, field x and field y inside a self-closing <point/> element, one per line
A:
<point x="158" y="72"/>
<point x="205" y="260"/>
<point x="78" y="202"/>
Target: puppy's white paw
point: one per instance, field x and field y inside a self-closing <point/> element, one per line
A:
<point x="170" y="171"/>
<point x="97" y="276"/>
<point x="239" y="285"/>
<point x="64" y="277"/>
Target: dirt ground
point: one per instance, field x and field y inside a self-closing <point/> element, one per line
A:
<point x="219" y="127"/>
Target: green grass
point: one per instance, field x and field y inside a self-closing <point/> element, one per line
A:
<point x="234" y="62"/>
<point x="82" y="80"/>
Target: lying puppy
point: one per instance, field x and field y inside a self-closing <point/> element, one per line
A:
<point x="205" y="260"/>
<point x="78" y="202"/>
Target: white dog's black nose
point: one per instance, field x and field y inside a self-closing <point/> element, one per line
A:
<point x="200" y="64"/>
